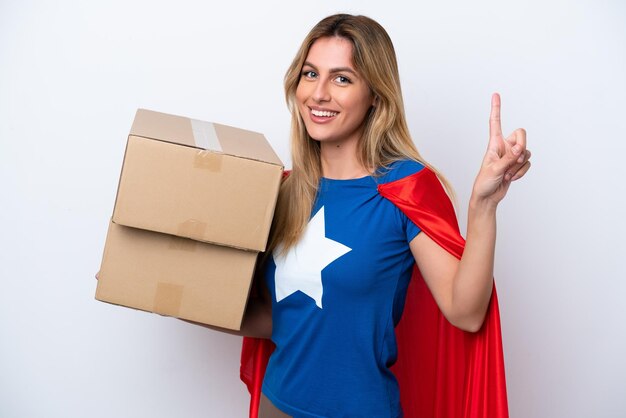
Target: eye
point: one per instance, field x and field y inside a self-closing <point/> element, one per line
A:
<point x="340" y="79"/>
<point x="310" y="74"/>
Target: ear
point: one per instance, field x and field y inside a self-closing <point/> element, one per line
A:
<point x="375" y="101"/>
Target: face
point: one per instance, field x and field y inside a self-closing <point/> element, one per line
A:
<point x="333" y="99"/>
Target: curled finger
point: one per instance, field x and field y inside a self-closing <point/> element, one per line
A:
<point x="521" y="171"/>
<point x="524" y="157"/>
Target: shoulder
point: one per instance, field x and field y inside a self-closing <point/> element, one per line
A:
<point x="399" y="169"/>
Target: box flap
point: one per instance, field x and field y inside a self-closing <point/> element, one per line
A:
<point x="246" y="144"/>
<point x="203" y="135"/>
<point x="163" y="127"/>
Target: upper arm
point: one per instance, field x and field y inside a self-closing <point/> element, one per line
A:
<point x="438" y="268"/>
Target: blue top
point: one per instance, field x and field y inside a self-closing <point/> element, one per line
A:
<point x="336" y="297"/>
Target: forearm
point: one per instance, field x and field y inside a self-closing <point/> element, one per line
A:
<point x="257" y="321"/>
<point x="473" y="281"/>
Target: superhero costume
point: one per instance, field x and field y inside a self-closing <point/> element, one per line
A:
<point x="337" y="295"/>
<point x="443" y="372"/>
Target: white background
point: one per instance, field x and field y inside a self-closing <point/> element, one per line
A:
<point x="73" y="73"/>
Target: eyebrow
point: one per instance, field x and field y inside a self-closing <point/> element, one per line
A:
<point x="333" y="70"/>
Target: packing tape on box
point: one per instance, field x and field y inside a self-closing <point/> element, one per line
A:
<point x="206" y="138"/>
<point x="192" y="228"/>
<point x="168" y="299"/>
<point x="208" y="160"/>
<point x="182" y="244"/>
<point x="204" y="135"/>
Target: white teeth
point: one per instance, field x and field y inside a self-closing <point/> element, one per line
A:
<point x="323" y="113"/>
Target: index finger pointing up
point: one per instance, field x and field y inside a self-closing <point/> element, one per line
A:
<point x="495" y="127"/>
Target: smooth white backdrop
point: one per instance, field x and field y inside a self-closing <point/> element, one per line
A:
<point x="72" y="74"/>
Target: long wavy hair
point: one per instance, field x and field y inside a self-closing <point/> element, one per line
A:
<point x="386" y="137"/>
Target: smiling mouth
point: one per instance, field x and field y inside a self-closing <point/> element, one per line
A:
<point x="323" y="113"/>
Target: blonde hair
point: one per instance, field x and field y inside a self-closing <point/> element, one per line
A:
<point x="386" y="136"/>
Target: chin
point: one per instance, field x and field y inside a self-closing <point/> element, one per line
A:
<point x="319" y="136"/>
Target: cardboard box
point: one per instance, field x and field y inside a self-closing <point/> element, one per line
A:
<point x="194" y="207"/>
<point x="199" y="180"/>
<point x="175" y="276"/>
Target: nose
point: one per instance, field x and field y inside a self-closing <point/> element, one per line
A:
<point x="321" y="92"/>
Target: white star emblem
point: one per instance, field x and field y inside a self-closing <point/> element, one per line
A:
<point x="301" y="268"/>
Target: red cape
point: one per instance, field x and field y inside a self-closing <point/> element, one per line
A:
<point x="443" y="372"/>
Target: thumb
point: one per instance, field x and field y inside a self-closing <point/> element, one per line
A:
<point x="515" y="149"/>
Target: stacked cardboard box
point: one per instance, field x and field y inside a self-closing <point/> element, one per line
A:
<point x="194" y="206"/>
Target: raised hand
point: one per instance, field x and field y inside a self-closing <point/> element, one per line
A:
<point x="506" y="160"/>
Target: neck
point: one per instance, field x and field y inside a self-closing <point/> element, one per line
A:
<point x="340" y="162"/>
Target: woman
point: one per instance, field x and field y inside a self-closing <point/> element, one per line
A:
<point x="342" y="247"/>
